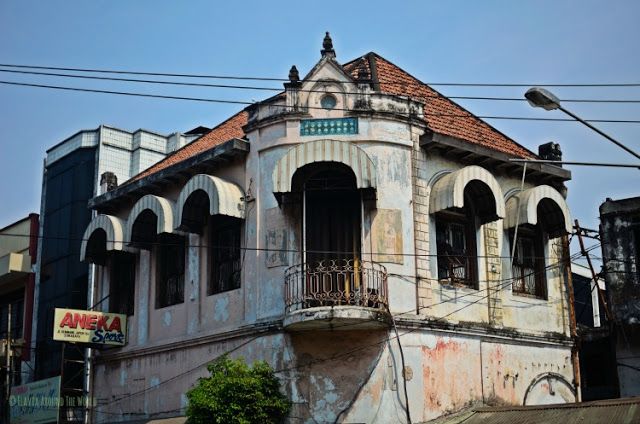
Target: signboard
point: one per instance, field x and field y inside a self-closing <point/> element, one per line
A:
<point x="72" y="325"/>
<point x="35" y="403"/>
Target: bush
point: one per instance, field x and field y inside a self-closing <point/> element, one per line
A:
<point x="237" y="393"/>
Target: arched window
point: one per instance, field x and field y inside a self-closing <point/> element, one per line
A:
<point x="211" y="205"/>
<point x="331" y="224"/>
<point x="540" y="214"/>
<point x="169" y="253"/>
<point x="224" y="241"/>
<point x="461" y="202"/>
<point x="456" y="234"/>
<point x="103" y="245"/>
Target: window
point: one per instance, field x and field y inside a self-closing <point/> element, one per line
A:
<point x="122" y="283"/>
<point x="170" y="264"/>
<point x="328" y="102"/>
<point x="456" y="244"/>
<point x="528" y="268"/>
<point x="225" y="257"/>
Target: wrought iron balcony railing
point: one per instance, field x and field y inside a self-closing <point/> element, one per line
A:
<point x="347" y="282"/>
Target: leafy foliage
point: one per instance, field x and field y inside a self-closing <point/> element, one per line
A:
<point x="236" y="393"/>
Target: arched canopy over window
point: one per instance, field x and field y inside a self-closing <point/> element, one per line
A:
<point x="151" y="215"/>
<point x="448" y="193"/>
<point x="104" y="233"/>
<point x="205" y="195"/>
<point x="335" y="151"/>
<point x="542" y="205"/>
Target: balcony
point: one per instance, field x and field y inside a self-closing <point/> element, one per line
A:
<point x="340" y="294"/>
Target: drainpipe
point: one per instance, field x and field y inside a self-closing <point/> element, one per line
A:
<point x="572" y="320"/>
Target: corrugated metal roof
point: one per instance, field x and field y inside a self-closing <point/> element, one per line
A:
<point x="618" y="411"/>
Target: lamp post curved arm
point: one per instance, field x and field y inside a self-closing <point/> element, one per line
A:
<point x="539" y="97"/>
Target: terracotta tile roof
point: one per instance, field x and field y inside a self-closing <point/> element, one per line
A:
<point x="231" y="128"/>
<point x="394" y="80"/>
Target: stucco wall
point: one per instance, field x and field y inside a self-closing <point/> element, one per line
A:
<point x="349" y="376"/>
<point x="461" y="346"/>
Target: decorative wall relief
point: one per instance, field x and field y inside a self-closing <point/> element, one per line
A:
<point x="335" y="126"/>
<point x="386" y="233"/>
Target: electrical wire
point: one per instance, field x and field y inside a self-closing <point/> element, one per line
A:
<point x="334" y="357"/>
<point x="232" y="77"/>
<point x="469" y="115"/>
<point x="276" y="89"/>
<point x="264" y="249"/>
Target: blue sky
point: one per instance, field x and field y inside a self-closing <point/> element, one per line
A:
<point x="453" y="41"/>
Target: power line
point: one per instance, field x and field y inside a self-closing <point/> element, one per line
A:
<point x="275" y="89"/>
<point x="248" y="103"/>
<point x="253" y="78"/>
<point x="313" y="362"/>
<point x="265" y="249"/>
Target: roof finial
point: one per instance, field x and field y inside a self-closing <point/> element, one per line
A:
<point x="294" y="75"/>
<point x="327" y="46"/>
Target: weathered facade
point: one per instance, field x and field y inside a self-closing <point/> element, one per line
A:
<point x="355" y="231"/>
<point x="620" y="235"/>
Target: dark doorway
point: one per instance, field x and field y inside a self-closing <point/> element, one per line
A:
<point x="332" y="218"/>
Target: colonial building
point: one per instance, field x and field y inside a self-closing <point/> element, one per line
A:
<point x="355" y="231"/>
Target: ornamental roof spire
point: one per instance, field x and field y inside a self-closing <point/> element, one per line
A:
<point x="294" y="75"/>
<point x="327" y="46"/>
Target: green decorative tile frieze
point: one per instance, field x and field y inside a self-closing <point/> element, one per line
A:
<point x="335" y="126"/>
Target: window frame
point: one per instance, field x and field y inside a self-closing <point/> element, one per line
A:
<point x="169" y="246"/>
<point x="469" y="256"/>
<point x="122" y="304"/>
<point x="233" y="281"/>
<point x="536" y="236"/>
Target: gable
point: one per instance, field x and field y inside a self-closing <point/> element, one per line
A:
<point x="442" y="115"/>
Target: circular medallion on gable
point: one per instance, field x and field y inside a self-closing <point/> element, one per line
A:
<point x="328" y="102"/>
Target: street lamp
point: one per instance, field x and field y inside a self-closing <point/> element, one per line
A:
<point x="539" y="97"/>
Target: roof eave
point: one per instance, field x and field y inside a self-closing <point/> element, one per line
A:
<point x="477" y="154"/>
<point x="181" y="170"/>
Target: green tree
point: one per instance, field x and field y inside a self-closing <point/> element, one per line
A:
<point x="236" y="393"/>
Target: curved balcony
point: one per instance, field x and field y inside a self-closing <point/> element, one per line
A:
<point x="339" y="294"/>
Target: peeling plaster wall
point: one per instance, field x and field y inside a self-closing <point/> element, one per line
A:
<point x="347" y="376"/>
<point x="494" y="301"/>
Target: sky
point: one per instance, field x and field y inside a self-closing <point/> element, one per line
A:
<point x="531" y="42"/>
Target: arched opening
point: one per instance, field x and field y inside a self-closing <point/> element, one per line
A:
<point x="224" y="241"/>
<point x="529" y="265"/>
<point x="168" y="251"/>
<point x="143" y="230"/>
<point x="551" y="218"/>
<point x="195" y="212"/>
<point x="332" y="272"/>
<point x="456" y="235"/>
<point x="96" y="251"/>
<point x="331" y="213"/>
